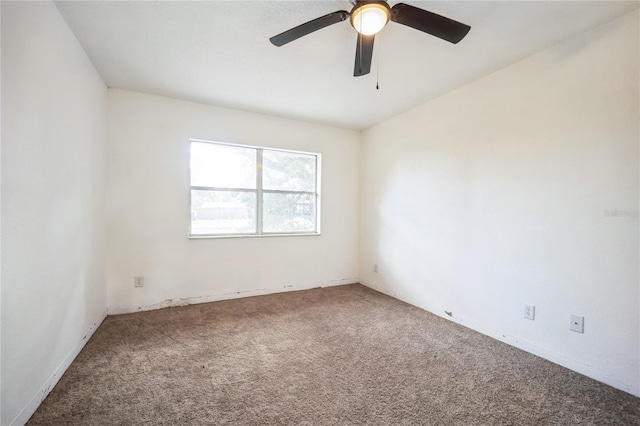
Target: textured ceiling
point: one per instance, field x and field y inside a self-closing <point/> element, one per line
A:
<point x="218" y="52"/>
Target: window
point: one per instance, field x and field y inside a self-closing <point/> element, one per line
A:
<point x="244" y="190"/>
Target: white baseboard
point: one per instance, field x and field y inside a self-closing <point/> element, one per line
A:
<point x="50" y="383"/>
<point x="184" y="301"/>
<point x="557" y="358"/>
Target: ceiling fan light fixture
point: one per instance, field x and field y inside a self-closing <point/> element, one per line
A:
<point x="369" y="19"/>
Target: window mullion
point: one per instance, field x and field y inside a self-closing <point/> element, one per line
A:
<point x="259" y="191"/>
<point x="280" y="191"/>
<point x="216" y="189"/>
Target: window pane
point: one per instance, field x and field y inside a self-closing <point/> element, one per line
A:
<point x="288" y="171"/>
<point x="223" y="212"/>
<point x="289" y="212"/>
<point x="223" y="166"/>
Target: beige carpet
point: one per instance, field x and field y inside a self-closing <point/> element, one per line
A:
<point x="334" y="356"/>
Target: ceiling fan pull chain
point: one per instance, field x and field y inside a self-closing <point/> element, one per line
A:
<point x="360" y="53"/>
<point x="360" y="44"/>
<point x="378" y="68"/>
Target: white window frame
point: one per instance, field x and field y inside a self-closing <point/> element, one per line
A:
<point x="259" y="191"/>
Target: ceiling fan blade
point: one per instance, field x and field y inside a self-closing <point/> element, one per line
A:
<point x="428" y="22"/>
<point x="309" y="27"/>
<point x="364" y="54"/>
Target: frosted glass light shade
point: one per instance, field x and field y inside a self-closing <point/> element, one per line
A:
<point x="370" y="18"/>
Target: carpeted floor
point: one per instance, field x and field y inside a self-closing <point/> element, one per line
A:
<point x="333" y="356"/>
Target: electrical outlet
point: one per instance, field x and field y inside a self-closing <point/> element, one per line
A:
<point x="375" y="268"/>
<point x="529" y="312"/>
<point x="138" y="281"/>
<point x="577" y="323"/>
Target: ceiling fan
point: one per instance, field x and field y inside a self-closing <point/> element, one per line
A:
<point x="368" y="17"/>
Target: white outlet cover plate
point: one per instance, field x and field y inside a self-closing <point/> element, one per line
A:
<point x="529" y="312"/>
<point x="577" y="323"/>
<point x="138" y="281"/>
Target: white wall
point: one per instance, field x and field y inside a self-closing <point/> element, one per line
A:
<point x="148" y="209"/>
<point x="499" y="194"/>
<point x="54" y="119"/>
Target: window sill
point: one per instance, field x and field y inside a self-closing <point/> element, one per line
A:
<point x="203" y="237"/>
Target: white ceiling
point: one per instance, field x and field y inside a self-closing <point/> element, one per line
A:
<point x="218" y="52"/>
